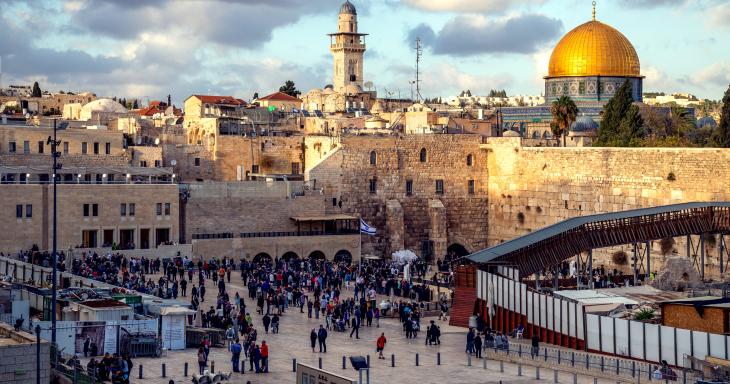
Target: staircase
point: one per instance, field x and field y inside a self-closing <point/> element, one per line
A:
<point x="463" y="306"/>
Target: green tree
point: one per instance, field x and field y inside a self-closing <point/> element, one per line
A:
<point x="721" y="136"/>
<point x="622" y="124"/>
<point x="290" y="89"/>
<point x="135" y="104"/>
<point x="37" y="90"/>
<point x="564" y="112"/>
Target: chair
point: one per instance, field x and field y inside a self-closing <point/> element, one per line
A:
<point x="518" y="334"/>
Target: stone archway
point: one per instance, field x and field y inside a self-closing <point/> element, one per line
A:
<point x="456" y="250"/>
<point x="317" y="255"/>
<point x="262" y="257"/>
<point x="289" y="256"/>
<point x="344" y="256"/>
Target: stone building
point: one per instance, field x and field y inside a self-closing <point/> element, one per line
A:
<point x="426" y="193"/>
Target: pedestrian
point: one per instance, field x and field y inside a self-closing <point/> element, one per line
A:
<point x="264" y="357"/>
<point x="478" y="346"/>
<point x="313" y="338"/>
<point x="266" y="320"/>
<point x="380" y="345"/>
<point x="256" y="358"/>
<point x="201" y="291"/>
<point x="535" y="350"/>
<point x="322" y="337"/>
<point x="275" y="324"/>
<point x="87" y="343"/>
<point x="309" y="308"/>
<point x="355" y="327"/>
<point x="236" y="355"/>
<point x="202" y="359"/>
<point x="470" y="341"/>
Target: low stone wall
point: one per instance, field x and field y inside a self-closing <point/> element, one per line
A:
<point x="18" y="357"/>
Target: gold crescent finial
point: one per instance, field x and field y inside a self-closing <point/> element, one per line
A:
<point x="594" y="11"/>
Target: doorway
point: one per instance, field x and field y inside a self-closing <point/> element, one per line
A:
<point x="162" y="235"/>
<point x="144" y="238"/>
<point x="89" y="238"/>
<point x="108" y="238"/>
<point x="126" y="238"/>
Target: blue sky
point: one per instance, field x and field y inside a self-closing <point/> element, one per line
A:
<point x="147" y="49"/>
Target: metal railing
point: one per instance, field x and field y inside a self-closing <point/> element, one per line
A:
<point x="206" y="236"/>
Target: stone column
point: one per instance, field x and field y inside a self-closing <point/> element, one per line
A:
<point x="437" y="232"/>
<point x="395" y="228"/>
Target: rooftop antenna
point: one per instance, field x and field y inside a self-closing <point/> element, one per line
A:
<point x="594" y="11"/>
<point x="419" y="52"/>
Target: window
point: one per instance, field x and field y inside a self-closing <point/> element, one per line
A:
<point x="40" y="147"/>
<point x="167" y="209"/>
<point x="409" y="187"/>
<point x="131" y="209"/>
<point x="373" y="186"/>
<point x="470" y="187"/>
<point x="143" y="163"/>
<point x="197" y="161"/>
<point x="440" y="187"/>
<point x="26" y="147"/>
<point x="469" y="160"/>
<point x="158" y="163"/>
<point x="86" y="210"/>
<point x="11" y="147"/>
<point x="295" y="168"/>
<point x="65" y="148"/>
<point x="84" y="149"/>
<point x="255" y="168"/>
<point x="159" y="209"/>
<point x="108" y="148"/>
<point x="334" y="201"/>
<point x="96" y="148"/>
<point x="123" y="209"/>
<point x="19" y="211"/>
<point x="28" y="210"/>
<point x="94" y="210"/>
<point x="423" y="156"/>
<point x="373" y="158"/>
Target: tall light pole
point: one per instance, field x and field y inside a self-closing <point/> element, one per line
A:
<point x="54" y="253"/>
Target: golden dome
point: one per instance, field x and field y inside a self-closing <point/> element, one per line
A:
<point x="594" y="49"/>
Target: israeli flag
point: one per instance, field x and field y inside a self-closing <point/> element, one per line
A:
<point x="294" y="110"/>
<point x="366" y="229"/>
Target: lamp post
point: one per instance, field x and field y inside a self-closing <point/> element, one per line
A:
<point x="54" y="253"/>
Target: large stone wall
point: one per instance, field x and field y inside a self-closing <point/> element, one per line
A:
<point x="530" y="188"/>
<point x="346" y="173"/>
<point x="252" y="206"/>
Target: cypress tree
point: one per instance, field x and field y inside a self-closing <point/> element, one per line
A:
<point x="37" y="90"/>
<point x="721" y="136"/>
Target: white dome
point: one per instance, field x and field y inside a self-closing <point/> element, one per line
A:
<point x="101" y="105"/>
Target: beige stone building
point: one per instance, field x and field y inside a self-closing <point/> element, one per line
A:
<point x="280" y="101"/>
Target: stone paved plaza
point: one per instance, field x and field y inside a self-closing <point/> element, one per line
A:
<point x="293" y="343"/>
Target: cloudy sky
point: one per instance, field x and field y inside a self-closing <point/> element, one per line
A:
<point x="149" y="48"/>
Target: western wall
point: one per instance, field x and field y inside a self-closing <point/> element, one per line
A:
<point x="532" y="187"/>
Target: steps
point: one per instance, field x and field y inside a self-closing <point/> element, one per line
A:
<point x="462" y="307"/>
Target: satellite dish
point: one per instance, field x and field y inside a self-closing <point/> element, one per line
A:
<point x="173" y="163"/>
<point x="157" y="141"/>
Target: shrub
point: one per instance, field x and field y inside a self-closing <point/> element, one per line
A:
<point x="644" y="314"/>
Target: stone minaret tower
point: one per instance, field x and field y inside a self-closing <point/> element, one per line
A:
<point x="347" y="47"/>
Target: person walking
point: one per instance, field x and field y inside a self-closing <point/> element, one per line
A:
<point x="236" y="355"/>
<point x="535" y="350"/>
<point x="256" y="358"/>
<point x="355" y="326"/>
<point x="202" y="359"/>
<point x="470" y="341"/>
<point x="380" y="345"/>
<point x="478" y="346"/>
<point x="322" y="337"/>
<point x="267" y="321"/>
<point x="313" y="338"/>
<point x="264" y="357"/>
<point x="87" y="342"/>
<point x="275" y="324"/>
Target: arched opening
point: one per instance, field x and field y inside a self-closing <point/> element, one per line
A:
<point x="469" y="160"/>
<point x="373" y="158"/>
<point x="317" y="255"/>
<point x="262" y="257"/>
<point x="423" y="155"/>
<point x="457" y="250"/>
<point x="343" y="256"/>
<point x="289" y="256"/>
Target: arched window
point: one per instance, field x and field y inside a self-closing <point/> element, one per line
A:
<point x="423" y="156"/>
<point x="373" y="158"/>
<point x="469" y="160"/>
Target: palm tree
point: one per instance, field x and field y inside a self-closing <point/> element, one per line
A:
<point x="564" y="112"/>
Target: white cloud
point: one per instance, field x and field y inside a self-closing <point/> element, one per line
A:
<point x="468" y="6"/>
<point x="446" y="79"/>
<point x="540" y="61"/>
<point x="714" y="75"/>
<point x="719" y="15"/>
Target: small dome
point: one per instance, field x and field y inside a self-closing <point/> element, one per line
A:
<point x="328" y="91"/>
<point x="348" y="8"/>
<point x="511" y="133"/>
<point x="101" y="105"/>
<point x="583" y="124"/>
<point x="706" y="121"/>
<point x="353" y="89"/>
<point x="329" y="86"/>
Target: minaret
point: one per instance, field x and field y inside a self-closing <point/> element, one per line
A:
<point x="347" y="47"/>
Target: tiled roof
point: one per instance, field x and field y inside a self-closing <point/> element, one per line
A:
<point x="280" y="96"/>
<point x="219" y="99"/>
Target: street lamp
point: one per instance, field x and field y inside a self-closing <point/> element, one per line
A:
<point x="54" y="254"/>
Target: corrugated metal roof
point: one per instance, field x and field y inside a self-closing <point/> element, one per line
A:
<point x="492" y="253"/>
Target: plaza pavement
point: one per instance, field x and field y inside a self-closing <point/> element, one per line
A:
<point x="293" y="343"/>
